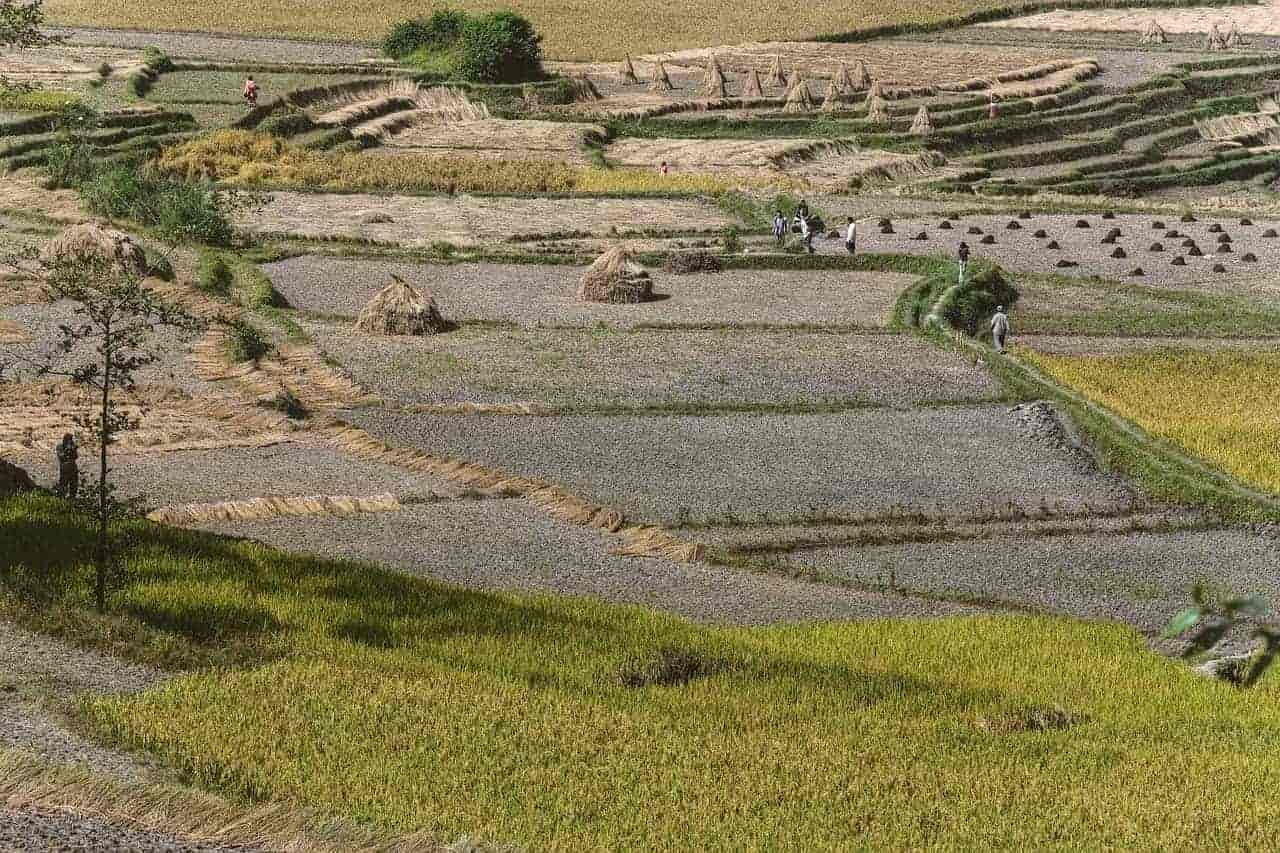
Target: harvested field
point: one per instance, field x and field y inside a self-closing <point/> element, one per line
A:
<point x="1138" y="578"/>
<point x="1079" y="345"/>
<point x="537" y="295"/>
<point x="224" y="86"/>
<point x="417" y="221"/>
<point x="905" y="62"/>
<point x="823" y="162"/>
<point x="285" y="470"/>
<point x="577" y="369"/>
<point x="1021" y="251"/>
<point x="507" y="545"/>
<point x="226" y="48"/>
<point x="524" y="140"/>
<point x="23" y="192"/>
<point x="953" y="458"/>
<point x="1262" y="19"/>
<point x="60" y="67"/>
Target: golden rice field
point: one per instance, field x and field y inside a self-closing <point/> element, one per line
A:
<point x="248" y="159"/>
<point x="1223" y="407"/>
<point x="571" y="30"/>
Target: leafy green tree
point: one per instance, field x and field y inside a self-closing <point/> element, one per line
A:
<point x="500" y="47"/>
<point x="20" y="24"/>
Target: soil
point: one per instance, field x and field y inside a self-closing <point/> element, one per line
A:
<point x="1261" y="19"/>
<point x="226" y="48"/>
<point x="497" y="139"/>
<point x="534" y="295"/>
<point x="60" y="67"/>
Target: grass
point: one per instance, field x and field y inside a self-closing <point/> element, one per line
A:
<point x="403" y="704"/>
<point x="36" y="100"/>
<point x="224" y="87"/>
<point x="1222" y="407"/>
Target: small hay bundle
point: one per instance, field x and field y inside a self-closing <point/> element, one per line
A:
<point x="627" y="72"/>
<point x="922" y="125"/>
<point x="877" y="113"/>
<point x="1154" y="33"/>
<point x="776" y="76"/>
<point x="1214" y="40"/>
<point x="842" y="80"/>
<point x="751" y="87"/>
<point x="799" y="99"/>
<point x="401" y="309"/>
<point x="92" y="240"/>
<point x="861" y="77"/>
<point x="616" y="279"/>
<point x="1233" y="38"/>
<point x="13" y="480"/>
<point x="713" y="81"/>
<point x="831" y="101"/>
<point x="661" y="82"/>
<point x="583" y="89"/>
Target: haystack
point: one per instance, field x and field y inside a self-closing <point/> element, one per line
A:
<point x="1233" y="38"/>
<point x="660" y="82"/>
<point x="91" y="240"/>
<point x="751" y="87"/>
<point x="922" y="125"/>
<point x="799" y="99"/>
<point x="583" y="89"/>
<point x="1214" y="40"/>
<point x="615" y="278"/>
<point x="861" y="77"/>
<point x="831" y="101"/>
<point x="713" y="82"/>
<point x="876" y="111"/>
<point x="401" y="309"/>
<point x="793" y="79"/>
<point x="1154" y="33"/>
<point x="842" y="80"/>
<point x="776" y="77"/>
<point x="627" y="72"/>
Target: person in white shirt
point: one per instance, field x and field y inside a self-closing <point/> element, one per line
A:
<point x="999" y="328"/>
<point x="851" y="236"/>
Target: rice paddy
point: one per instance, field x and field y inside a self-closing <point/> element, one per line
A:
<point x="1222" y="407"/>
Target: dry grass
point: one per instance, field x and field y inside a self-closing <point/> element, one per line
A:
<point x="401" y="309"/>
<point x="92" y="240"/>
<point x="608" y="33"/>
<point x="615" y="278"/>
<point x="258" y="509"/>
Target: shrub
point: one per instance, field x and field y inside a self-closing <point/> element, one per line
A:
<point x="686" y="263"/>
<point x="731" y="241"/>
<point x="158" y="265"/>
<point x="213" y="275"/>
<point x="443" y="249"/>
<point x="500" y="47"/>
<point x="245" y="342"/>
<point x="438" y="32"/>
<point x="289" y="123"/>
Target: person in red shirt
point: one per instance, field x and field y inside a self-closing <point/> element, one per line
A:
<point x="250" y="92"/>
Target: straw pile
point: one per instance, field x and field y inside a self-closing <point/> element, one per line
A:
<point x="661" y="82"/>
<point x="776" y="77"/>
<point x="1241" y="126"/>
<point x="616" y="279"/>
<point x="401" y="309"/>
<point x="713" y="82"/>
<point x="799" y="99"/>
<point x="584" y="89"/>
<point x="1214" y="40"/>
<point x="831" y="100"/>
<point x="1233" y="38"/>
<point x="1154" y="33"/>
<point x="877" y="113"/>
<point x="91" y="240"/>
<point x="261" y="509"/>
<point x="922" y="125"/>
<point x="13" y="480"/>
<point x="627" y="71"/>
<point x="842" y="80"/>
<point x="751" y="87"/>
<point x="861" y="77"/>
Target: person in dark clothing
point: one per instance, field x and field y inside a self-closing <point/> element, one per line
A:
<point x="68" y="469"/>
<point x="963" y="255"/>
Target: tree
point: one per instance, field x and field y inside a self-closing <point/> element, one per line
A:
<point x="102" y="350"/>
<point x="1215" y="617"/>
<point x="20" y="24"/>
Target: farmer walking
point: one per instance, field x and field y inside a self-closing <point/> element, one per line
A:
<point x="962" y="254"/>
<point x="999" y="328"/>
<point x="68" y="470"/>
<point x="993" y="111"/>
<point x="851" y="236"/>
<point x="779" y="227"/>
<point x="806" y="233"/>
<point x="250" y="93"/>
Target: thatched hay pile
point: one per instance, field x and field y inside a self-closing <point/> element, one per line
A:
<point x="861" y="77"/>
<point x="751" y="87"/>
<point x="799" y="99"/>
<point x="776" y="77"/>
<point x="661" y="82"/>
<point x="877" y="113"/>
<point x="843" y="82"/>
<point x="627" y="72"/>
<point x="922" y="125"/>
<point x="13" y="480"/>
<point x="1233" y="39"/>
<point x="1154" y="33"/>
<point x="832" y="99"/>
<point x="583" y="89"/>
<point x="713" y="81"/>
<point x="91" y="240"/>
<point x="615" y="278"/>
<point x="1214" y="40"/>
<point x="401" y="309"/>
